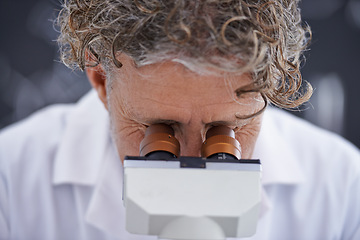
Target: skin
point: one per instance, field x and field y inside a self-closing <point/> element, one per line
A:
<point x="170" y="93"/>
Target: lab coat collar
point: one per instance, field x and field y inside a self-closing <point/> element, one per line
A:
<point x="280" y="164"/>
<point x="84" y="143"/>
<point x="106" y="210"/>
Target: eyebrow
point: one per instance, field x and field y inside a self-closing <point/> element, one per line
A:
<point x="165" y="121"/>
<point x="236" y="121"/>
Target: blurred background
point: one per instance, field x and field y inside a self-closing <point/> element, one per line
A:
<point x="32" y="77"/>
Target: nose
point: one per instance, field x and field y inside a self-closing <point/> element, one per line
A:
<point x="190" y="142"/>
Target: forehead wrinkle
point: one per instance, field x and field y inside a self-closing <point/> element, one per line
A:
<point x="192" y="102"/>
<point x="163" y="103"/>
<point x="160" y="111"/>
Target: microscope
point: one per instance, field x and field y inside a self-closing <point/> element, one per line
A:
<point x="191" y="198"/>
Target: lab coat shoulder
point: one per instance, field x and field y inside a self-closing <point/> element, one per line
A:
<point x="327" y="201"/>
<point x="315" y="147"/>
<point x="38" y="134"/>
<point x="27" y="151"/>
<point x="37" y="155"/>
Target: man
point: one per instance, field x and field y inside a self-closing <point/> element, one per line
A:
<point x="191" y="65"/>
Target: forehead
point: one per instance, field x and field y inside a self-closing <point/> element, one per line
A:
<point x="175" y="76"/>
<point x="169" y="90"/>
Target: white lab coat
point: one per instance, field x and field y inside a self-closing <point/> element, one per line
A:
<point x="60" y="178"/>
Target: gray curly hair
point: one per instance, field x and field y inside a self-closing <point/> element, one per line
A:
<point x="261" y="37"/>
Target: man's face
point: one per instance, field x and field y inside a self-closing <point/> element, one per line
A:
<point x="190" y="103"/>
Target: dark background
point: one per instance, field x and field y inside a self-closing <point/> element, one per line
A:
<point x="32" y="77"/>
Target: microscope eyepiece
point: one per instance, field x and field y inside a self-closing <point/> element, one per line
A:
<point x="220" y="143"/>
<point x="159" y="142"/>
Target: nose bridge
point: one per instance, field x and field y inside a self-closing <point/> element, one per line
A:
<point x="191" y="141"/>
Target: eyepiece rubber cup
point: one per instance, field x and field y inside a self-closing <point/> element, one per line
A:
<point x="159" y="137"/>
<point x="220" y="139"/>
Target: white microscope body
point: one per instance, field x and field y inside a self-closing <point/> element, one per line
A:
<point x="192" y="198"/>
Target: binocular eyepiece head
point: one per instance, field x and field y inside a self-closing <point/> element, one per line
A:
<point x="160" y="142"/>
